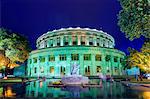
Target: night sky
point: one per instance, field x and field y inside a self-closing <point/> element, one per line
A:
<point x="32" y="18"/>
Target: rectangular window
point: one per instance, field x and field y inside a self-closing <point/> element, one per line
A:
<point x="115" y="59"/>
<point x="52" y="69"/>
<point x="42" y="69"/>
<point x="35" y="70"/>
<point x="51" y="58"/>
<point x="75" y="56"/>
<point x="62" y="70"/>
<point x="87" y="56"/>
<point x="107" y="58"/>
<point x="35" y="60"/>
<point x="62" y="57"/>
<point x="98" y="57"/>
<point x="42" y="59"/>
<point x="98" y="69"/>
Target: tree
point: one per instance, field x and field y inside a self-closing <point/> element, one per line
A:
<point x="140" y="59"/>
<point x="134" y="18"/>
<point x="134" y="21"/>
<point x="14" y="49"/>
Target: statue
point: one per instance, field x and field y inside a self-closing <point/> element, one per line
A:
<point x="74" y="78"/>
<point x="75" y="69"/>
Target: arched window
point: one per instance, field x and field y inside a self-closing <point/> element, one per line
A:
<point x="66" y="40"/>
<point x="74" y="40"/>
<point x="90" y="40"/>
<point x="98" y="41"/>
<point x="58" y="41"/>
<point x="82" y="40"/>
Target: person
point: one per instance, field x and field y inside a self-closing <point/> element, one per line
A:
<point x="141" y="77"/>
<point x="136" y="77"/>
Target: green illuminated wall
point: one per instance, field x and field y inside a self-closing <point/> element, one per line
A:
<point x="91" y="49"/>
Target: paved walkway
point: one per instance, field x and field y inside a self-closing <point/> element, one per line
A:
<point x="137" y="86"/>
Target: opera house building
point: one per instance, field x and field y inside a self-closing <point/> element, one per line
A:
<point x="58" y="50"/>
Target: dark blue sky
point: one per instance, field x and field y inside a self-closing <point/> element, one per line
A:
<point x="32" y="18"/>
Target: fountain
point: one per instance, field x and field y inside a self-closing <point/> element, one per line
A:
<point x="74" y="78"/>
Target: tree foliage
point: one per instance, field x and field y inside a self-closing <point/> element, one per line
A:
<point x="134" y="18"/>
<point x="140" y="59"/>
<point x="14" y="48"/>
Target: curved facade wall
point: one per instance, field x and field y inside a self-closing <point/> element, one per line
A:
<point x="58" y="50"/>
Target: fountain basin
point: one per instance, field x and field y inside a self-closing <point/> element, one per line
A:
<point x="74" y="79"/>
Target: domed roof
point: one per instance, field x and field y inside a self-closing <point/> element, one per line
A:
<point x="64" y="30"/>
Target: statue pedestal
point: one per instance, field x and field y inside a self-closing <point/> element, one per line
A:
<point x="75" y="79"/>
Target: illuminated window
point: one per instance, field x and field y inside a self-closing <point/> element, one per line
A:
<point x="98" y="57"/>
<point x="115" y="59"/>
<point x="62" y="57"/>
<point x="98" y="69"/>
<point x="90" y="41"/>
<point x="75" y="56"/>
<point x="58" y="41"/>
<point x="87" y="70"/>
<point x="42" y="59"/>
<point x="87" y="56"/>
<point x="82" y="40"/>
<point x="51" y="42"/>
<point x="107" y="58"/>
<point x="35" y="60"/>
<point x="51" y="58"/>
<point x="52" y="69"/>
<point x="74" y="40"/>
<point x="42" y="69"/>
<point x="62" y="70"/>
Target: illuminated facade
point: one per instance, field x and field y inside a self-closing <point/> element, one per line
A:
<point x="91" y="49"/>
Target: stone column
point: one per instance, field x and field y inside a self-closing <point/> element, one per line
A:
<point x="81" y="71"/>
<point x="38" y="66"/>
<point x="79" y="39"/>
<point x="70" y="40"/>
<point x="93" y="67"/>
<point x="48" y="43"/>
<point x="104" y="66"/>
<point x="57" y="66"/>
<point x="28" y="67"/>
<point x="61" y="40"/>
<point x="119" y="66"/>
<point x="95" y="42"/>
<point x="54" y="41"/>
<point x="101" y="42"/>
<point x="32" y="67"/>
<point x="46" y="67"/>
<point x="87" y="40"/>
<point x="106" y="43"/>
<point x="112" y="65"/>
<point x="68" y="67"/>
